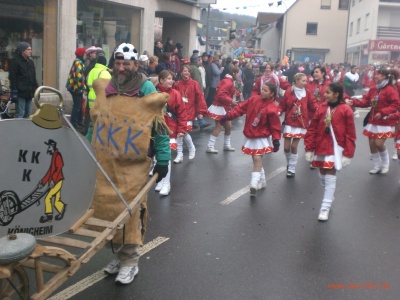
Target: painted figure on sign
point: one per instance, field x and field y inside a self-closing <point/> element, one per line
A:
<point x="54" y="177"/>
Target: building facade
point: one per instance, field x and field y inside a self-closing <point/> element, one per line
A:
<point x="315" y="31"/>
<point x="55" y="28"/>
<point x="373" y="35"/>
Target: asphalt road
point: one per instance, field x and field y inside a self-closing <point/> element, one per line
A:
<point x="221" y="244"/>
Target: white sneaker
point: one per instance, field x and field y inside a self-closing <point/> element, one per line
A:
<point x="395" y="157"/>
<point x="323" y="214"/>
<point x="228" y="148"/>
<point x="112" y="267"/>
<point x="178" y="159"/>
<point x="384" y="170"/>
<point x="374" y="171"/>
<point x="211" y="150"/>
<point x="166" y="188"/>
<point x="262" y="184"/>
<point x="127" y="274"/>
<point x="159" y="186"/>
<point x="192" y="153"/>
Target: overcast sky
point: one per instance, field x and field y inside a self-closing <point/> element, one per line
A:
<point x="253" y="6"/>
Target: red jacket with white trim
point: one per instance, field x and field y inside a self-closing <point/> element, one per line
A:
<point x="388" y="103"/>
<point x="175" y="116"/>
<point x="321" y="142"/>
<point x="297" y="112"/>
<point x="191" y="90"/>
<point x="225" y="91"/>
<point x="267" y="112"/>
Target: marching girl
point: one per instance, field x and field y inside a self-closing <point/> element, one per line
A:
<point x="383" y="100"/>
<point x="318" y="84"/>
<point x="333" y="120"/>
<point x="223" y="102"/>
<point x="175" y="117"/>
<point x="297" y="103"/>
<point x="196" y="107"/>
<point x="269" y="76"/>
<point x="262" y="130"/>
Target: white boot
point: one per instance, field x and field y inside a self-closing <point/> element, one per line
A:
<point x="255" y="178"/>
<point x="189" y="143"/>
<point x="159" y="185"/>
<point x="384" y="161"/>
<point x="227" y="143"/>
<point x="376" y="163"/>
<point x="179" y="150"/>
<point x="263" y="181"/>
<point x="329" y="191"/>
<point x="292" y="165"/>
<point x="166" y="187"/>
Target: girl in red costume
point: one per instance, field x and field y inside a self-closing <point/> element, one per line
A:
<point x="223" y="102"/>
<point x="269" y="76"/>
<point x="383" y="100"/>
<point x="332" y="115"/>
<point x="318" y="83"/>
<point x="196" y="107"/>
<point x="176" y="119"/>
<point x="297" y="103"/>
<point x="262" y="130"/>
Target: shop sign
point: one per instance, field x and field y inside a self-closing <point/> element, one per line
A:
<point x="384" y="45"/>
<point x="380" y="56"/>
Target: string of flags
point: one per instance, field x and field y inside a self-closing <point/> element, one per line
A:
<point x="243" y="31"/>
<point x="269" y="3"/>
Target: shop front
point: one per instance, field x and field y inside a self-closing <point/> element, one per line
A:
<point x="384" y="51"/>
<point x="106" y="25"/>
<point x="307" y="55"/>
<point x="33" y="22"/>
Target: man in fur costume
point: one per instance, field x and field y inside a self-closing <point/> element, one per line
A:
<point x="127" y="118"/>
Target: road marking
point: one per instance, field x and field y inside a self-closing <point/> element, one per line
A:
<point x="245" y="190"/>
<point x="99" y="275"/>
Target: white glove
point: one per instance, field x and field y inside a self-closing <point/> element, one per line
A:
<point x="309" y="156"/>
<point x="345" y="161"/>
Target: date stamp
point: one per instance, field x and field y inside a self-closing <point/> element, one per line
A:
<point x="359" y="286"/>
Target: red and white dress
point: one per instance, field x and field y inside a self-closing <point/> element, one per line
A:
<point x="193" y="98"/>
<point x="262" y="124"/>
<point x="319" y="140"/>
<point x="223" y="98"/>
<point x="384" y="101"/>
<point x="297" y="104"/>
<point x="317" y="88"/>
<point x="175" y="115"/>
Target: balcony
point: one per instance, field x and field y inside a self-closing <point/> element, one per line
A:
<point x="386" y="32"/>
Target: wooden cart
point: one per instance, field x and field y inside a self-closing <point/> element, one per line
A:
<point x="49" y="255"/>
<point x="14" y="282"/>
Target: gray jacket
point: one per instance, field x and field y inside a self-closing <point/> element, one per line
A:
<point x="216" y="71"/>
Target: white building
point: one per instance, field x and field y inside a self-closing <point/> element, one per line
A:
<point x="373" y="32"/>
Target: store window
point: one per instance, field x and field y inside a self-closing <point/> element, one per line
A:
<point x="104" y="25"/>
<point x="21" y="21"/>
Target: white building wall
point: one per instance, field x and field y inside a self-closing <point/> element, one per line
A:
<point x="332" y="28"/>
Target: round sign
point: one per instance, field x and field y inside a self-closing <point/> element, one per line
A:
<point x="47" y="178"/>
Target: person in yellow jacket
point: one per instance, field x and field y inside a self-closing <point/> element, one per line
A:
<point x="100" y="70"/>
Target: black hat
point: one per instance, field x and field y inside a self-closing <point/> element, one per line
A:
<point x="205" y="54"/>
<point x="195" y="51"/>
<point x="22" y="46"/>
<point x="179" y="45"/>
<point x="51" y="142"/>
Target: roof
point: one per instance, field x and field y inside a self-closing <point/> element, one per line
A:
<point x="267" y="18"/>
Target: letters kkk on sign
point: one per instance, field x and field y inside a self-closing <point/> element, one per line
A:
<point x="47" y="178"/>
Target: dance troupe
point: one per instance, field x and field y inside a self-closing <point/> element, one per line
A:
<point x="315" y="109"/>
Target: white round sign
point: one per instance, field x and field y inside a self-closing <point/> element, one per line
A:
<point x="47" y="178"/>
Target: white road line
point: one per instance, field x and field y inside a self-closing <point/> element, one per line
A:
<point x="245" y="190"/>
<point x="99" y="275"/>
